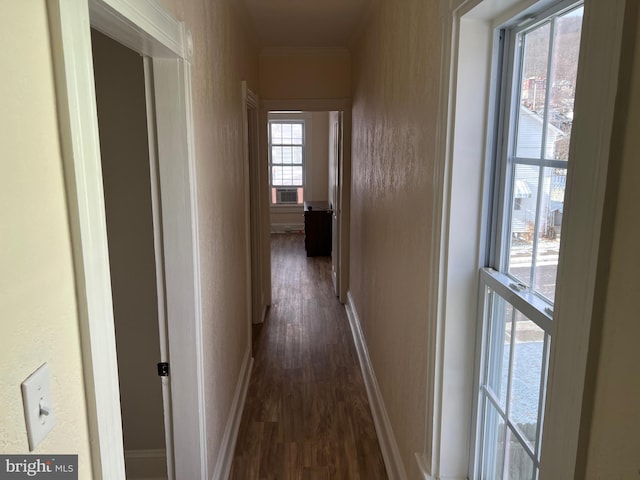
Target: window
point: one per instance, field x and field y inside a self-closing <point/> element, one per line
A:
<point x="540" y="57"/>
<point x="286" y="161"/>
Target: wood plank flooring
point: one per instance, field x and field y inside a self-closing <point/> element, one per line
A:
<point x="306" y="415"/>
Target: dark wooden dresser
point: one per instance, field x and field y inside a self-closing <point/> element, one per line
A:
<point x="317" y="229"/>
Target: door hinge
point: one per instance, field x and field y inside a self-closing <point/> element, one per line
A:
<point x="163" y="369"/>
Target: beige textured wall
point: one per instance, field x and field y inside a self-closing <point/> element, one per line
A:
<point x="614" y="447"/>
<point x="38" y="318"/>
<point x="295" y="73"/>
<point x="124" y="148"/>
<point x="395" y="103"/>
<point x="224" y="56"/>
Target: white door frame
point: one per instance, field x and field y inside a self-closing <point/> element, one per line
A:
<point x="335" y="134"/>
<point x="156" y="211"/>
<point x="257" y="307"/>
<point x="315" y="105"/>
<point x="148" y="29"/>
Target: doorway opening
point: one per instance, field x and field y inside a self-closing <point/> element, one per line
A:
<point x="278" y="217"/>
<point x="131" y="193"/>
<point x="305" y="150"/>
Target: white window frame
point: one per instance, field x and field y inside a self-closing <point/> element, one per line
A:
<point x="495" y="278"/>
<point x="286" y="121"/>
<point x="467" y="27"/>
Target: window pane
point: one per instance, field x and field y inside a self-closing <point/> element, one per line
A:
<point x="276" y="154"/>
<point x="286" y="133"/>
<point x="282" y="175"/>
<point x="276" y="176"/>
<point x="297" y="175"/>
<point x="492" y="443"/>
<point x="519" y="463"/>
<point x="287" y="156"/>
<point x="533" y="92"/>
<point x="500" y="325"/>
<point x="523" y="221"/>
<point x="564" y="70"/>
<point x="551" y="210"/>
<point x="528" y="354"/>
<point x="296" y="133"/>
<point x="276" y="133"/>
<point x="297" y="155"/>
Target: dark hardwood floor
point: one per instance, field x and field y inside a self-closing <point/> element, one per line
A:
<point x="306" y="415"/>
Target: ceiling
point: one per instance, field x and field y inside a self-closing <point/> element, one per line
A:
<point x="305" y="23"/>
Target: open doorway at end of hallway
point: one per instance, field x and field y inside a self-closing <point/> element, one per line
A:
<point x="304" y="150"/>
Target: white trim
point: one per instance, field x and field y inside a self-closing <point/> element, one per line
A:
<point x="287" y="227"/>
<point x="460" y="155"/>
<point x="388" y="444"/>
<point x="189" y="138"/>
<point x="73" y="66"/>
<point x="306" y="104"/>
<point x="70" y="22"/>
<point x="439" y="238"/>
<point x="287" y="208"/>
<point x="248" y="101"/>
<point x="136" y="20"/>
<point x="154" y="180"/>
<point x="179" y="214"/>
<point x="228" y="445"/>
<point x="424" y="467"/>
<point x="253" y="203"/>
<point x="590" y="148"/>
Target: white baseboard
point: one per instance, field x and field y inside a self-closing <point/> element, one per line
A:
<point x="388" y="444"/>
<point x="146" y="464"/>
<point x="423" y="467"/>
<point x="227" y="448"/>
<point x="263" y="316"/>
<point x="425" y="470"/>
<point x="287" y="227"/>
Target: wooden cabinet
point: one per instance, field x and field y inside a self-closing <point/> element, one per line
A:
<point x="317" y="229"/>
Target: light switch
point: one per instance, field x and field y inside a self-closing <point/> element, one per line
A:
<point x="38" y="406"/>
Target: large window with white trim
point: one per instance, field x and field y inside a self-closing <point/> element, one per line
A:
<point x="539" y="58"/>
<point x="286" y="161"/>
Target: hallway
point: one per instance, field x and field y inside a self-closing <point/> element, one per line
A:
<point x="306" y="414"/>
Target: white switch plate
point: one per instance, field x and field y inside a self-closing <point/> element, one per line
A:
<point x="38" y="406"/>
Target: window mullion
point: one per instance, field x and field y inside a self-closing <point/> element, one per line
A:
<point x="536" y="229"/>
<point x="514" y="62"/>
<point x="512" y="342"/>
<point x="543" y="388"/>
<point x="547" y="100"/>
<point x="540" y="162"/>
<point x="543" y="148"/>
<point x="532" y="306"/>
